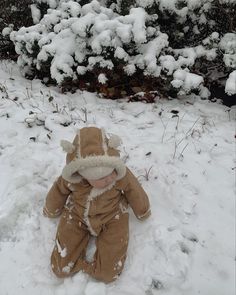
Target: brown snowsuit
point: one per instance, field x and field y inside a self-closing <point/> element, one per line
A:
<point x="88" y="211"/>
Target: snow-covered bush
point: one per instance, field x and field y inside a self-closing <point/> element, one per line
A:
<point x="9" y="19"/>
<point x="16" y="14"/>
<point x="124" y="47"/>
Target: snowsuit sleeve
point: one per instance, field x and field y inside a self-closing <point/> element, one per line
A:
<point x="56" y="198"/>
<point x="137" y="197"/>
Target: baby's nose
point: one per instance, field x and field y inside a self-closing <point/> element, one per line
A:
<point x="109" y="178"/>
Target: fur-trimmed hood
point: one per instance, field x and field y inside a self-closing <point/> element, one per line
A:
<point x="91" y="148"/>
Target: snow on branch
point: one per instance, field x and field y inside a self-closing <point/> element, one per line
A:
<point x="230" y="86"/>
<point x="72" y="39"/>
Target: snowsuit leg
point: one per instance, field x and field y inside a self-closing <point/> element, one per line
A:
<point x="72" y="238"/>
<point x="112" y="244"/>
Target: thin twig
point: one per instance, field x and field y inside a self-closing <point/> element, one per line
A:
<point x="165" y="126"/>
<point x="192" y="126"/>
<point x="146" y="175"/>
<point x="181" y="154"/>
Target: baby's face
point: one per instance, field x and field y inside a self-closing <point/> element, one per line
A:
<point x="103" y="182"/>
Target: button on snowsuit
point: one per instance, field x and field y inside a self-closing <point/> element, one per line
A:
<point x="87" y="211"/>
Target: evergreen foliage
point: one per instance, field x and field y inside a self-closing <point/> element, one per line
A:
<point x="14" y="15"/>
<point x="131" y="47"/>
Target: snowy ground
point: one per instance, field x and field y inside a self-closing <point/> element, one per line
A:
<point x="185" y="161"/>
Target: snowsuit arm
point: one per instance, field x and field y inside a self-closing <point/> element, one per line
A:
<point x="56" y="198"/>
<point x="137" y="197"/>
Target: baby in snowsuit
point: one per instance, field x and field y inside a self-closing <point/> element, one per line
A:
<point x="92" y="196"/>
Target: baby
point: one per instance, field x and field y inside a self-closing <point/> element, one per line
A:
<point x="92" y="196"/>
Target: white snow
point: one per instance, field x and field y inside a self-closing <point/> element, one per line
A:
<point x="63" y="252"/>
<point x="95" y="289"/>
<point x="121" y="54"/>
<point x="139" y="28"/>
<point x="230" y="86"/>
<point x="228" y="45"/>
<point x="7" y="30"/>
<point x="186" y="80"/>
<point x="183" y="153"/>
<point x="35" y="12"/>
<point x="73" y="39"/>
<point x="102" y="78"/>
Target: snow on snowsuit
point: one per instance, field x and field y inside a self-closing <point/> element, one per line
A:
<point x="87" y="211"/>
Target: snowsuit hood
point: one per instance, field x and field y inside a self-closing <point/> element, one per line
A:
<point x="91" y="147"/>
